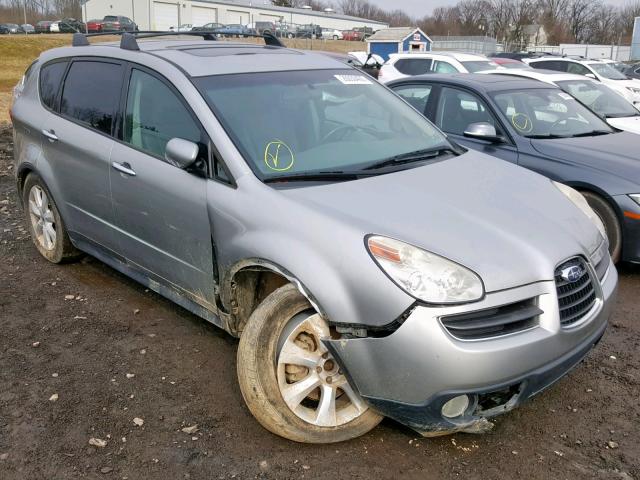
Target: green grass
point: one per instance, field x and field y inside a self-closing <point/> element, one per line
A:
<point x="18" y="51"/>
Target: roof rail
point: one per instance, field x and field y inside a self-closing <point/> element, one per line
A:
<point x="128" y="40"/>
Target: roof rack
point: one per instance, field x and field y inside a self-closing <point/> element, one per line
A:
<point x="128" y="40"/>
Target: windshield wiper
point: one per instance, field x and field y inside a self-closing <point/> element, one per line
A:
<point x="592" y="133"/>
<point x="316" y="177"/>
<point x="415" y="156"/>
<point x="547" y="135"/>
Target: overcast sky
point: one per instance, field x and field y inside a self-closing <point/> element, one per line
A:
<point x="419" y="8"/>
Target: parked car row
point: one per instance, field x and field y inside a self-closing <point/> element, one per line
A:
<point x="438" y="256"/>
<point x="13" y="28"/>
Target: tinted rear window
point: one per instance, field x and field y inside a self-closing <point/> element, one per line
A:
<point x="50" y="79"/>
<point x="91" y="93"/>
<point x="110" y="18"/>
<point x="413" y="66"/>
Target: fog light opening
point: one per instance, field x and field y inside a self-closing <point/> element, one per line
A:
<point x="455" y="407"/>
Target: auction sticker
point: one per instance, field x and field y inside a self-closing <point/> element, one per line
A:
<point x="353" y="79"/>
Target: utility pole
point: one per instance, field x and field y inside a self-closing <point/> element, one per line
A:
<point x="24" y="11"/>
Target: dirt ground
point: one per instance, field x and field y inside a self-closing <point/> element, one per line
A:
<point x="70" y="335"/>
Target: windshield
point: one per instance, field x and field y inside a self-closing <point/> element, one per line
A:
<point x="305" y="122"/>
<point x="110" y="18"/>
<point x="607" y="71"/>
<point x="599" y="98"/>
<point x="479" y="65"/>
<point x="548" y="113"/>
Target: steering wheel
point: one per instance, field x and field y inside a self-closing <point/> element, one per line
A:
<point x="344" y="129"/>
<point x="564" y="121"/>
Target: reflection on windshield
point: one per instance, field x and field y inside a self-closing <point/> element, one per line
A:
<point x="319" y="121"/>
<point x="599" y="98"/>
<point x="540" y="113"/>
<point x="607" y="71"/>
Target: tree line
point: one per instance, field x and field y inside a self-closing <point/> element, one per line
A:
<point x="564" y="21"/>
<point x="13" y="11"/>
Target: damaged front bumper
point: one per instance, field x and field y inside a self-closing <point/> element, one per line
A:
<point x="412" y="373"/>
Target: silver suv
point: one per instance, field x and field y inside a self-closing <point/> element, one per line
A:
<point x="369" y="266"/>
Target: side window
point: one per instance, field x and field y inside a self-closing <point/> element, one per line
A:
<point x="91" y="94"/>
<point x="413" y="66"/>
<point x="50" y="80"/>
<point x="417" y="96"/>
<point x="577" y="68"/>
<point x="444" y="67"/>
<point x="155" y="115"/>
<point x="458" y="109"/>
<point x="551" y="65"/>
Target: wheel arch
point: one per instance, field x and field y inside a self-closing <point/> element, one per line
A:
<point x="251" y="280"/>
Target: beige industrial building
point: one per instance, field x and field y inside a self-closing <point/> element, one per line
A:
<point x="165" y="14"/>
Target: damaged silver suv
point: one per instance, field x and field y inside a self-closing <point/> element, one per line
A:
<point x="369" y="266"/>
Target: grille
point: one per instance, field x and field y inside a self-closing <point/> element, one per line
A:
<point x="493" y="322"/>
<point x="576" y="295"/>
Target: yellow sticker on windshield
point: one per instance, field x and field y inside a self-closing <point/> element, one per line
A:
<point x="278" y="156"/>
<point x="522" y="122"/>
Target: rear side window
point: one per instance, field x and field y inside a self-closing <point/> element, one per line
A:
<point x="417" y="96"/>
<point x="91" y="94"/>
<point x="413" y="66"/>
<point x="50" y="80"/>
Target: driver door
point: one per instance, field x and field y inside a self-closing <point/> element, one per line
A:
<point x="161" y="210"/>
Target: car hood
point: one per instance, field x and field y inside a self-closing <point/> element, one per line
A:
<point x="616" y="154"/>
<point x="508" y="224"/>
<point x="628" y="124"/>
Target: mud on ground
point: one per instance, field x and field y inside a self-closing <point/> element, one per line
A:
<point x="77" y="330"/>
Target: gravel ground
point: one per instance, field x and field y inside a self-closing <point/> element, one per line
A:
<point x="86" y="353"/>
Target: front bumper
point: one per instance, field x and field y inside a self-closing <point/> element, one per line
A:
<point x="410" y="374"/>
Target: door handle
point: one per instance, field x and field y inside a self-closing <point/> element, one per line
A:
<point x="124" y="168"/>
<point x="51" y="135"/>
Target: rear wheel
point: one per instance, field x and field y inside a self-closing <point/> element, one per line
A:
<point x="289" y="380"/>
<point x="610" y="220"/>
<point x="47" y="229"/>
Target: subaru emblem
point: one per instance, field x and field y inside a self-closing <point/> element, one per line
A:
<point x="572" y="274"/>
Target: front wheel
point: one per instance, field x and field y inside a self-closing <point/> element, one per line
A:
<point x="611" y="224"/>
<point x="290" y="381"/>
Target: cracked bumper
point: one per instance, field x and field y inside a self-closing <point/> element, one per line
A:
<point x="410" y="374"/>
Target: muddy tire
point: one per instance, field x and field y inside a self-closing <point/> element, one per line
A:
<point x="610" y="221"/>
<point x="262" y="373"/>
<point x="44" y="222"/>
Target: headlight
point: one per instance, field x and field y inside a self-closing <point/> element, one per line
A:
<point x="580" y="202"/>
<point x="424" y="275"/>
<point x="635" y="197"/>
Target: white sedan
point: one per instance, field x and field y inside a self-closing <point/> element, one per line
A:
<point x="331" y="34"/>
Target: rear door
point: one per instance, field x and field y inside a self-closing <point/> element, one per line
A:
<point x="77" y="144"/>
<point x="161" y="210"/>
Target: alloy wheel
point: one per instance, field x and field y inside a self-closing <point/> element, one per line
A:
<point x="310" y="380"/>
<point x="42" y="218"/>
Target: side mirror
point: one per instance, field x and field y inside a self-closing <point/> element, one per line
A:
<point x="181" y="153"/>
<point x="591" y="75"/>
<point x="483" y="131"/>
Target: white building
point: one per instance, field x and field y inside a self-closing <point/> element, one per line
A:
<point x="163" y="14"/>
